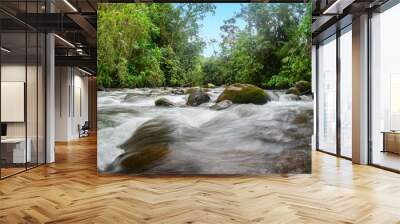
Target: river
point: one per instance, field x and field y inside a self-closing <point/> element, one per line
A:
<point x="242" y="139"/>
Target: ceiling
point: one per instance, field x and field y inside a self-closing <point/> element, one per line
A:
<point x="332" y="15"/>
<point x="74" y="22"/>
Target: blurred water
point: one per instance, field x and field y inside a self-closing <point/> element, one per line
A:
<point x="243" y="139"/>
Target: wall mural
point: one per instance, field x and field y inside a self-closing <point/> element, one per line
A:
<point x="188" y="89"/>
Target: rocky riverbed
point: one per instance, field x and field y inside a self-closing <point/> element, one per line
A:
<point x="178" y="137"/>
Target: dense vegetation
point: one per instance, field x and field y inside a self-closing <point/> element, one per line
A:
<point x="150" y="45"/>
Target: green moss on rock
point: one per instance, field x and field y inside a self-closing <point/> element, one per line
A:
<point x="303" y="86"/>
<point x="243" y="94"/>
<point x="293" y="91"/>
<point x="145" y="158"/>
<point x="210" y="85"/>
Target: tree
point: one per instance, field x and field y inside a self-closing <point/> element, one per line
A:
<point x="267" y="45"/>
<point x="296" y="56"/>
<point x="150" y="45"/>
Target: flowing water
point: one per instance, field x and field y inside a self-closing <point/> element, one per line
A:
<point x="242" y="139"/>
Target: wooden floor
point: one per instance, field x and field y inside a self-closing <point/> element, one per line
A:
<point x="70" y="191"/>
<point x="387" y="159"/>
<point x="5" y="172"/>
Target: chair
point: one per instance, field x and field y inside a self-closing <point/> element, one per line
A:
<point x="84" y="130"/>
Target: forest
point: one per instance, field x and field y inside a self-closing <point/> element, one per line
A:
<point x="155" y="45"/>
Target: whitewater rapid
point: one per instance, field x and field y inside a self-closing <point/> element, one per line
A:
<point x="242" y="139"/>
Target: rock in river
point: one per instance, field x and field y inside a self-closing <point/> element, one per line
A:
<point x="163" y="102"/>
<point x="304" y="87"/>
<point x="147" y="146"/>
<point x="197" y="97"/>
<point x="293" y="90"/>
<point x="221" y="105"/>
<point x="244" y="93"/>
<point x="178" y="91"/>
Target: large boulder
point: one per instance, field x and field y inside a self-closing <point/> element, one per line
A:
<point x="145" y="148"/>
<point x="304" y="87"/>
<point x="221" y="105"/>
<point x="196" y="97"/>
<point x="163" y="102"/>
<point x="294" y="91"/>
<point x="136" y="162"/>
<point x="244" y="93"/>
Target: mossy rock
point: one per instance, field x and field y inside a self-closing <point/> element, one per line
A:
<point x="210" y="85"/>
<point x="163" y="102"/>
<point x="146" y="148"/>
<point x="197" y="97"/>
<point x="294" y="91"/>
<point x="243" y="94"/>
<point x="303" y="86"/>
<point x="143" y="159"/>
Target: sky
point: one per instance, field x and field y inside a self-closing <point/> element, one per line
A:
<point x="210" y="26"/>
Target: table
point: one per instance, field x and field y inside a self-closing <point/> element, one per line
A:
<point x="391" y="141"/>
<point x="13" y="150"/>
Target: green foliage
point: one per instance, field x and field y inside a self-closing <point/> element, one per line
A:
<point x="280" y="82"/>
<point x="212" y="70"/>
<point x="273" y="51"/>
<point x="149" y="45"/>
<point x="296" y="56"/>
<point x="116" y="44"/>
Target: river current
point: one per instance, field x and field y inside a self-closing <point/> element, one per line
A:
<point x="242" y="139"/>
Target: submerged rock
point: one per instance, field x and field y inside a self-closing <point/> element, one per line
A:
<point x="147" y="146"/>
<point x="293" y="90"/>
<point x="306" y="97"/>
<point x="144" y="158"/>
<point x="197" y="97"/>
<point x="289" y="97"/>
<point x="163" y="102"/>
<point x="221" y="105"/>
<point x="304" y="87"/>
<point x="105" y="121"/>
<point x="130" y="97"/>
<point x="178" y="91"/>
<point x="244" y="93"/>
<point x="293" y="161"/>
<point x="303" y="118"/>
<point x="134" y="96"/>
